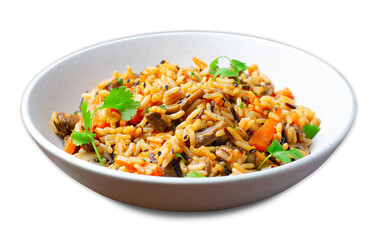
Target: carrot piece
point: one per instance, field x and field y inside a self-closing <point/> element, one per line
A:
<point x="218" y="101"/>
<point x="120" y="160"/>
<point x="202" y="65"/>
<point x="262" y="137"/>
<point x="137" y="117"/>
<point x="252" y="68"/>
<point x="295" y="118"/>
<point x="123" y="123"/>
<point x="101" y="124"/>
<point x="70" y="147"/>
<point x="284" y="92"/>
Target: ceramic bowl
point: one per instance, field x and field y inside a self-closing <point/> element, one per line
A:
<point x="314" y="83"/>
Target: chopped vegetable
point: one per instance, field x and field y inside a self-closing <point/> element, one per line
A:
<point x="194" y="174"/>
<point x="118" y="99"/>
<point x="264" y="134"/>
<point x="236" y="66"/>
<point x="284" y="92"/>
<point x="311" y="130"/>
<point x="70" y="147"/>
<point x="243" y="105"/>
<point x="201" y="65"/>
<point x="120" y="81"/>
<point x="180" y="156"/>
<point x="276" y="150"/>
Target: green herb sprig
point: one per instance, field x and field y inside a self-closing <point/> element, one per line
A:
<point x="311" y="130"/>
<point x="243" y="105"/>
<point x="119" y="99"/>
<point x="276" y="150"/>
<point x="194" y="174"/>
<point x="180" y="156"/>
<point x="236" y="67"/>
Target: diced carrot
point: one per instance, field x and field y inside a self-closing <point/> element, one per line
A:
<point x="201" y="65"/>
<point x="262" y="137"/>
<point x="122" y="162"/>
<point x="295" y="118"/>
<point x="70" y="147"/>
<point x="136" y="118"/>
<point x="252" y="68"/>
<point x="155" y="169"/>
<point x="123" y="123"/>
<point x="284" y="92"/>
<point x="101" y="124"/>
<point x="218" y="101"/>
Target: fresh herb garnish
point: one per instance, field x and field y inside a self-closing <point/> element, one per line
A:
<point x="163" y="107"/>
<point x="120" y="81"/>
<point x="180" y="156"/>
<point x="310" y="130"/>
<point x="146" y="109"/>
<point x="243" y="105"/>
<point x="195" y="75"/>
<point x="236" y="67"/>
<point x="119" y="99"/>
<point x="276" y="150"/>
<point x="194" y="174"/>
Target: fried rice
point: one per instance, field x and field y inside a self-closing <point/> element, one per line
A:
<point x="189" y="122"/>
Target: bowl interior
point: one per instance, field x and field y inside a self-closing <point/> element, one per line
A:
<point x="314" y="83"/>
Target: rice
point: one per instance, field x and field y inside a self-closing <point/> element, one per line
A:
<point x="207" y="125"/>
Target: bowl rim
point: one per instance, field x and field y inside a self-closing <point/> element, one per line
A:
<point x="50" y="147"/>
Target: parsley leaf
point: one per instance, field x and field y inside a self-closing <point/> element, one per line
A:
<point x="180" y="156"/>
<point x="81" y="138"/>
<point x="237" y="65"/>
<point x="311" y="130"/>
<point x="86" y="115"/>
<point x="225" y="72"/>
<point x="297" y="154"/>
<point x="277" y="151"/>
<point x="121" y="100"/>
<point x="194" y="174"/>
<point x="214" y="66"/>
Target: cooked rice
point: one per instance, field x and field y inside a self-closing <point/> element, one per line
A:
<point x="133" y="145"/>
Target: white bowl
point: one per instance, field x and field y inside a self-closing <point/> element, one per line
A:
<point x="314" y="83"/>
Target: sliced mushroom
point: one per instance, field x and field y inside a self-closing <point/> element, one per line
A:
<point x="193" y="97"/>
<point x="156" y="121"/>
<point x="172" y="108"/>
<point x="64" y="123"/>
<point x="207" y="136"/>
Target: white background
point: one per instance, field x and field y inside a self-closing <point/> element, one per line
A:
<point x="38" y="201"/>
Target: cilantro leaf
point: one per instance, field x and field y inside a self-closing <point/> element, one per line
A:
<point x="214" y="66"/>
<point x="275" y="147"/>
<point x="277" y="151"/>
<point x="180" y="156"/>
<point x="237" y="65"/>
<point x="194" y="174"/>
<point x="283" y="156"/>
<point x="86" y="115"/>
<point x="296" y="154"/>
<point x="311" y="130"/>
<point x="81" y="138"/>
<point x="121" y="100"/>
<point x="225" y="72"/>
